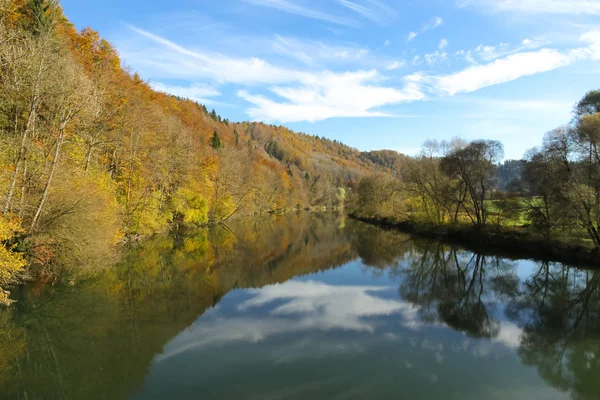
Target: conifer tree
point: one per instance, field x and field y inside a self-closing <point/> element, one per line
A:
<point x="215" y="141"/>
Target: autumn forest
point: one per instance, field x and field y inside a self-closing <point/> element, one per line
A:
<point x="92" y="157"/>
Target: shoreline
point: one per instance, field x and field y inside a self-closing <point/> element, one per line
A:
<point x="509" y="244"/>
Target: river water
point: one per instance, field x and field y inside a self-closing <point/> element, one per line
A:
<point x="306" y="307"/>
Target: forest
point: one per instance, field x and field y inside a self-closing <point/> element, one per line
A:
<point x="91" y="156"/>
<point x="551" y="196"/>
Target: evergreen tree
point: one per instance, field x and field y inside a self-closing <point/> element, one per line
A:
<point x="41" y="15"/>
<point x="215" y="141"/>
<point x="237" y="137"/>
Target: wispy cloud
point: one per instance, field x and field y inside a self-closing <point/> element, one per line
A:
<point x="199" y="92"/>
<point x="467" y="54"/>
<point x="292" y="8"/>
<point x="435" y="57"/>
<point x="307" y="96"/>
<point x="175" y="61"/>
<point x="352" y="94"/>
<point x="514" y="66"/>
<point x="373" y="10"/>
<point x="432" y="24"/>
<point x="314" y="53"/>
<point x="569" y="7"/>
<point x="283" y="94"/>
<point x="395" y="65"/>
<point x="443" y="44"/>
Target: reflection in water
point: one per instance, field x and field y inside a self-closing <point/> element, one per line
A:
<point x="300" y="306"/>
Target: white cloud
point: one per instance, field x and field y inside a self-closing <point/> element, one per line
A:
<point x="432" y="24"/>
<point x="289" y="7"/>
<point x="467" y="55"/>
<point x="396" y="65"/>
<point x="386" y="43"/>
<point x="373" y="10"/>
<point x="435" y="57"/>
<point x="501" y="70"/>
<point x="351" y="94"/>
<point x="287" y="94"/>
<point x="513" y="67"/>
<point x="572" y="7"/>
<point x="313" y="53"/>
<point x="487" y="53"/>
<point x="175" y="61"/>
<point x="435" y="22"/>
<point x="443" y="44"/>
<point x="199" y="92"/>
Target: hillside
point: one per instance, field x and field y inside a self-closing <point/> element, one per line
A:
<point x="91" y="154"/>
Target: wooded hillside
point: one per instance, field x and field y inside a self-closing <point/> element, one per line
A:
<point x="90" y="154"/>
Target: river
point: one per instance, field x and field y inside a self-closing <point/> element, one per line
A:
<point x="298" y="307"/>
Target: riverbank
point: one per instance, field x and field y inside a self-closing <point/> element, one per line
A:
<point x="511" y="244"/>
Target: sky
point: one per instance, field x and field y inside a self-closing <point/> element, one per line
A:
<point x="374" y="74"/>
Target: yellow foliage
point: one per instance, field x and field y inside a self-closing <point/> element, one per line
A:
<point x="191" y="205"/>
<point x="11" y="263"/>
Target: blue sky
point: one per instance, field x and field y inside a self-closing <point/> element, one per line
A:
<point x="375" y="74"/>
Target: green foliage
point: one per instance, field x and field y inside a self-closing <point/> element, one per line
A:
<point x="40" y="15"/>
<point x="588" y="105"/>
<point x="215" y="141"/>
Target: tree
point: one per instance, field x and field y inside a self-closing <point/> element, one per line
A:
<point x="377" y="196"/>
<point x="474" y="166"/>
<point x="40" y="16"/>
<point x="588" y="105"/>
<point x="215" y="141"/>
<point x="237" y="137"/>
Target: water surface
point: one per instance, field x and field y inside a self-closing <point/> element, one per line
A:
<point x="306" y="307"/>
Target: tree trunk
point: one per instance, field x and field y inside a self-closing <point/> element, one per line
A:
<point x="30" y="127"/>
<point x="88" y="157"/>
<point x="23" y="188"/>
<point x="53" y="165"/>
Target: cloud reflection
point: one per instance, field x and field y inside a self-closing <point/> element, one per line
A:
<point x="297" y="306"/>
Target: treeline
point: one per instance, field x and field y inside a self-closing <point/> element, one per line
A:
<point x="554" y="193"/>
<point x="90" y="155"/>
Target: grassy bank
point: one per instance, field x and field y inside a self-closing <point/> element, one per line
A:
<point x="507" y="242"/>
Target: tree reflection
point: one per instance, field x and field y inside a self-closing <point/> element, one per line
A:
<point x="559" y="308"/>
<point x="456" y="287"/>
<point x="377" y="247"/>
<point x="95" y="339"/>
